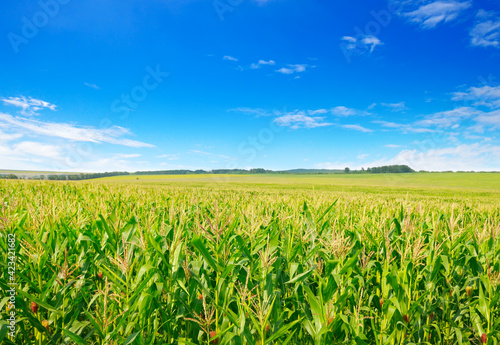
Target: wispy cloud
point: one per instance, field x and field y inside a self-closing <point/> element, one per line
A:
<point x="457" y="158"/>
<point x="92" y="86"/>
<point x="405" y="128"/>
<point x="396" y="107"/>
<point x="357" y="128"/>
<point x="262" y="63"/>
<point x="299" y="119"/>
<point x="362" y="44"/>
<point x="428" y="14"/>
<point x="29" y="106"/>
<point x="476" y="120"/>
<point x="392" y="146"/>
<point x="112" y="135"/>
<point x="201" y="152"/>
<point x="291" y="69"/>
<point x="306" y="118"/>
<point x="6" y="137"/>
<point x="339" y="111"/>
<point x="488" y="119"/>
<point x="170" y="157"/>
<point x="127" y="155"/>
<point x="486" y="31"/>
<point x="229" y="58"/>
<point x="317" y="111"/>
<point x="345" y="111"/>
<point x="447" y="119"/>
<point x="480" y="96"/>
<point x="258" y="112"/>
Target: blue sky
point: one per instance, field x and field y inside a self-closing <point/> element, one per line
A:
<point x="278" y="84"/>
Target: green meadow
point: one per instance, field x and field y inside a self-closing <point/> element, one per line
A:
<point x="436" y="181"/>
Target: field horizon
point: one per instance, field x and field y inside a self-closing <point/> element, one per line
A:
<point x="480" y="182"/>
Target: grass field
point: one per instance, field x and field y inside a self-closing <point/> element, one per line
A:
<point x="438" y="182"/>
<point x="274" y="259"/>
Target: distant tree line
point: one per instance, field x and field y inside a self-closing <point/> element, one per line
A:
<point x="86" y="176"/>
<point x="386" y="169"/>
<point x="9" y="176"/>
<point x="391" y="169"/>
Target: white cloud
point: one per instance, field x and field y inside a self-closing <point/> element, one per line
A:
<point x="405" y="128"/>
<point x="305" y="118"/>
<point x="396" y="107"/>
<point x="299" y="119"/>
<point x="486" y="31"/>
<point x="30" y="106"/>
<point x="458" y="158"/>
<point x="357" y="128"/>
<point x="262" y="63"/>
<point x="392" y="146"/>
<point x="28" y="155"/>
<point x="318" y="111"/>
<point x="229" y="58"/>
<point x="481" y="96"/>
<point x="291" y="69"/>
<point x="349" y="39"/>
<point x="491" y="119"/>
<point x="110" y="164"/>
<point x="112" y="135"/>
<point x="170" y="157"/>
<point x="362" y="156"/>
<point x="429" y="14"/>
<point x="201" y="152"/>
<point x="92" y="86"/>
<point x="258" y="112"/>
<point x="127" y="155"/>
<point x="362" y="44"/>
<point x="450" y="118"/>
<point x="344" y="111"/>
<point x="6" y="137"/>
<point x="372" y="42"/>
<point x="38" y="149"/>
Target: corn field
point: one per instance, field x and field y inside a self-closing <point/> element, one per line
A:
<point x="118" y="263"/>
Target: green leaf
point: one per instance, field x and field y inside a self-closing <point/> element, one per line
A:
<point x="74" y="337"/>
<point x="198" y="244"/>
<point x="131" y="338"/>
<point x="300" y="277"/>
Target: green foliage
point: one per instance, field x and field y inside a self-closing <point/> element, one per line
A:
<point x="391" y="169"/>
<point x="8" y="176"/>
<point x="140" y="264"/>
<point x="86" y="176"/>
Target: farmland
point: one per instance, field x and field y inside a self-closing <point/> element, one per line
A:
<point x="296" y="259"/>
